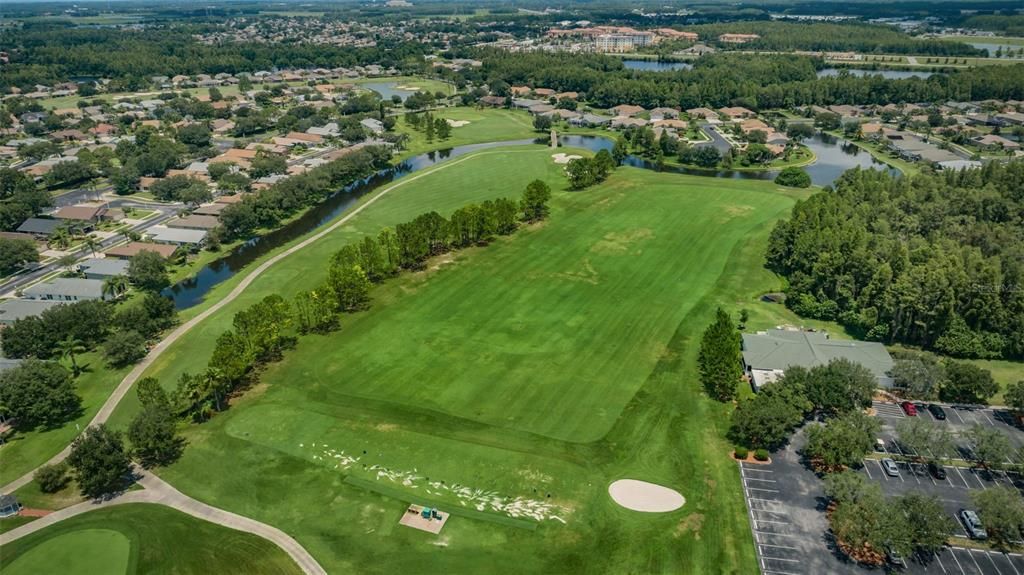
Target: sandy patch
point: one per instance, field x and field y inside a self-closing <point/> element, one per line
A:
<point x="408" y="88"/>
<point x="644" y="496"/>
<point x="561" y="158"/>
<point x="457" y="123"/>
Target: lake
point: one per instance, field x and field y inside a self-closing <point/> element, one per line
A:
<point x="387" y="89"/>
<point x="992" y="48"/>
<point x="655" y="66"/>
<point x="887" y="74"/>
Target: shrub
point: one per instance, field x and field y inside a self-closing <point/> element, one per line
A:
<point x="761" y="455"/>
<point x="741" y="452"/>
<point x="52" y="478"/>
<point x="793" y="177"/>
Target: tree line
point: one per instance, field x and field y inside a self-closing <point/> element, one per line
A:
<point x="936" y="260"/>
<point x="267" y="208"/>
<point x="49" y="53"/>
<point x="756" y="81"/>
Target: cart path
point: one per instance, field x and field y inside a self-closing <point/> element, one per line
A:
<point x="122" y="389"/>
<point x="159" y="492"/>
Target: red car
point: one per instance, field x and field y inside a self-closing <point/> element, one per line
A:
<point x="909" y="408"/>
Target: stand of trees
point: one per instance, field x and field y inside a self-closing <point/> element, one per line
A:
<point x="20" y="199"/>
<point x="866" y="525"/>
<point x="767" y="419"/>
<point x="585" y="172"/>
<point x="934" y="260"/>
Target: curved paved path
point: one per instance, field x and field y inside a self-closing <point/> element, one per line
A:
<point x="118" y="394"/>
<point x="158" y="491"/>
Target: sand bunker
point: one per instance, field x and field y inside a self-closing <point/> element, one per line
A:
<point x="561" y="158"/>
<point x="457" y="123"/>
<point x="644" y="496"/>
<point x="408" y="88"/>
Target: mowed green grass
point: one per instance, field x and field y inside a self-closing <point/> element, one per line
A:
<point x="141" y="538"/>
<point x="485" y="125"/>
<point x="543" y="366"/>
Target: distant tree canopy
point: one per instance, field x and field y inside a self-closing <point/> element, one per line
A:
<point x="755" y="81"/>
<point x="52" y="52"/>
<point x="933" y="260"/>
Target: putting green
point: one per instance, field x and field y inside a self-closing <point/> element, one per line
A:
<point x="84" y="552"/>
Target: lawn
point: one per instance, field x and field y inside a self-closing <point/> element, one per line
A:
<point x="542" y="367"/>
<point x="141" y="538"/>
<point x="27" y="450"/>
<point x="485" y="125"/>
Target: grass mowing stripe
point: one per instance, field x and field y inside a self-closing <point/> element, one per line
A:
<point x="400" y="495"/>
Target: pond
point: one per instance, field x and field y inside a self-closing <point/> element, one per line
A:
<point x="835" y="156"/>
<point x="388" y="89"/>
<point x="887" y="74"/>
<point x="1015" y="51"/>
<point x="655" y="66"/>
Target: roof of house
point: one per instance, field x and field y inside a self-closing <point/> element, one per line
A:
<point x="780" y="349"/>
<point x="229" y="199"/>
<point x="627" y="109"/>
<point x="8" y="501"/>
<point x="176" y="235"/>
<point x="210" y="209"/>
<point x="72" y="287"/>
<point x="133" y="248"/>
<point x="39" y="226"/>
<point x="15" y="309"/>
<point x="104" y="266"/>
<point x="79" y="212"/>
<point x="194" y="222"/>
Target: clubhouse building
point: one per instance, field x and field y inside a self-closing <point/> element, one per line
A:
<point x="767" y="354"/>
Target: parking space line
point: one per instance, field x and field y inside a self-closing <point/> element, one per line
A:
<point x="960" y="473"/>
<point x="961" y="421"/>
<point x="988" y="418"/>
<point x="772" y="512"/>
<point x="1012" y="566"/>
<point x="758" y="470"/>
<point x="773" y="572"/>
<point x="781" y="559"/>
<point x="778" y="546"/>
<point x="980" y="482"/>
<point x="760" y="499"/>
<point x="775" y="534"/>
<point x="756" y="479"/>
<point x="866" y="469"/>
<point x="941" y="564"/>
<point x="770" y="521"/>
<point x="761" y="489"/>
<point x="975" y="561"/>
<point x="952" y="551"/>
<point x="993" y="562"/>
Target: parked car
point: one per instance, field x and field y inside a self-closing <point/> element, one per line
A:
<point x="890" y="467"/>
<point x="909" y="408"/>
<point x="880" y="445"/>
<point x="937" y="471"/>
<point x="895" y="559"/>
<point x="937" y="411"/>
<point x="973" y="524"/>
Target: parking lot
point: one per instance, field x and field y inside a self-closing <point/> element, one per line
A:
<point x="786" y="502"/>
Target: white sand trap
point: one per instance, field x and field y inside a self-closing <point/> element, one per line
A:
<point x="408" y="88"/>
<point x="457" y="123"/>
<point x="644" y="496"/>
<point x="561" y="158"/>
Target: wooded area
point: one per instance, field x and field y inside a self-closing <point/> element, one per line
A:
<point x="936" y="260"/>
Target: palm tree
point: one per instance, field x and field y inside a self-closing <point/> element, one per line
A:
<point x="68" y="347"/>
<point x="92" y="244"/>
<point x="60" y="238"/>
<point x="114" y="286"/>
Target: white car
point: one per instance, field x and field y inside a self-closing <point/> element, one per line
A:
<point x="890" y="468"/>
